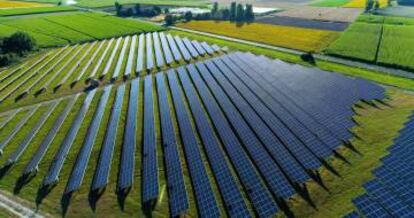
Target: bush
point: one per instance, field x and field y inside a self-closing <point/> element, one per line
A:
<point x="19" y="42"/>
<point x="7" y="59"/>
<point x="169" y="20"/>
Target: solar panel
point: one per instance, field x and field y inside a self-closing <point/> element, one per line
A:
<point x="78" y="171"/>
<point x="40" y="152"/>
<point x="278" y="183"/>
<point x="228" y="188"/>
<point x="190" y="48"/>
<point x="9" y="118"/>
<point x="150" y="51"/>
<point x="88" y="64"/>
<point x="206" y="202"/>
<point x="177" y="194"/>
<point x="370" y="208"/>
<point x="121" y="58"/>
<point x="12" y="72"/>
<point x="149" y="160"/>
<point x="183" y="49"/>
<point x="69" y="61"/>
<point x="18" y="127"/>
<point x="198" y="47"/>
<point x="353" y="214"/>
<point x="111" y="58"/>
<point x="127" y="165"/>
<point x="207" y="48"/>
<point x="60" y="157"/>
<point x="128" y="68"/>
<point x="215" y="48"/>
<point x="158" y="51"/>
<point x="29" y="136"/>
<point x="174" y="49"/>
<point x="99" y="62"/>
<point x="167" y="53"/>
<point x="101" y="176"/>
<point x="287" y="162"/>
<point x="140" y="55"/>
<point x="290" y="131"/>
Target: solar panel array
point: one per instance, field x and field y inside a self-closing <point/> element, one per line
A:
<point x="109" y="60"/>
<point x="391" y="192"/>
<point x="244" y="128"/>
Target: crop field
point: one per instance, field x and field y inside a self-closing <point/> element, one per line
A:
<point x="109" y="3"/>
<point x="302" y="23"/>
<point x="336" y="14"/>
<point x="346" y="3"/>
<point x="36" y="10"/>
<point x="67" y="70"/>
<point x="186" y="141"/>
<point x="4" y="4"/>
<point x="283" y="36"/>
<point x="383" y="40"/>
<point x="57" y="30"/>
<point x="362" y="3"/>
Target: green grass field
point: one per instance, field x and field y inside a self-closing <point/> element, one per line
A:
<point x="110" y="3"/>
<point x="37" y="10"/>
<point x="383" y="40"/>
<point x="330" y="3"/>
<point x="58" y="30"/>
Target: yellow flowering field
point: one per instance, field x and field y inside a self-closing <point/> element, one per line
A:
<point x="362" y="3"/>
<point x="284" y="36"/>
<point x="4" y="4"/>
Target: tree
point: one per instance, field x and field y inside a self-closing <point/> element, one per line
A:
<point x="225" y="14"/>
<point x="248" y="12"/>
<point x="157" y="10"/>
<point x="129" y="12"/>
<point x="369" y="5"/>
<point x="137" y="9"/>
<point x="376" y="5"/>
<point x="118" y="8"/>
<point x="19" y="43"/>
<point x="214" y="10"/>
<point x="169" y="20"/>
<point x="233" y="11"/>
<point x="188" y="16"/>
<point x="166" y="10"/>
<point x="240" y="13"/>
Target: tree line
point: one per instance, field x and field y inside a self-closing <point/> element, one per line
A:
<point x="14" y="47"/>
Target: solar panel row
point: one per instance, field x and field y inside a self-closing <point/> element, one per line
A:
<point x="128" y="68"/>
<point x="166" y="49"/>
<point x="101" y="59"/>
<point x="87" y="65"/>
<point x="121" y="59"/>
<point x="111" y="58"/>
<point x="158" y="52"/>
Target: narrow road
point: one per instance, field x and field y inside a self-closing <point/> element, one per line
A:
<point x="17" y="208"/>
<point x="367" y="66"/>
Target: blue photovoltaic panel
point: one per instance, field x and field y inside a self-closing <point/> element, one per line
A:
<point x="18" y="126"/>
<point x="279" y="185"/>
<point x="174" y="49"/>
<point x="206" y="202"/>
<point x="37" y="157"/>
<point x="228" y="188"/>
<point x="370" y="208"/>
<point x="158" y="51"/>
<point x="140" y="55"/>
<point x="190" y="48"/>
<point x="60" y="157"/>
<point x="260" y="197"/>
<point x="207" y="48"/>
<point x="150" y="51"/>
<point x="149" y="157"/>
<point x="289" y="165"/>
<point x="121" y="57"/>
<point x="198" y="47"/>
<point x="28" y="138"/>
<point x="127" y="165"/>
<point x="111" y="58"/>
<point x="167" y="52"/>
<point x="101" y="59"/>
<point x="280" y="122"/>
<point x="353" y="214"/>
<point x="105" y="158"/>
<point x="128" y="68"/>
<point x="215" y="48"/>
<point x="183" y="49"/>
<point x="78" y="171"/>
<point x="86" y="67"/>
<point x="177" y="194"/>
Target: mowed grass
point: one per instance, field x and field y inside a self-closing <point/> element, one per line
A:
<point x="330" y="3"/>
<point x="57" y="30"/>
<point x="384" y="40"/>
<point x="283" y="36"/>
<point x="36" y="10"/>
<point x="4" y="4"/>
<point x="362" y="3"/>
<point x="378" y="126"/>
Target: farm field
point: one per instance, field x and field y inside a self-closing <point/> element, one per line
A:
<point x="362" y="3"/>
<point x="347" y="15"/>
<point x="378" y="39"/>
<point x="154" y="100"/>
<point x="58" y="30"/>
<point x="36" y="10"/>
<point x="346" y="3"/>
<point x="4" y="4"/>
<point x="288" y="37"/>
<point x="109" y="3"/>
<point x="300" y="22"/>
